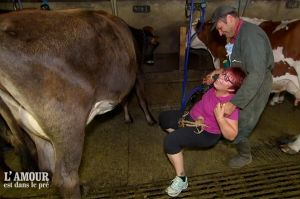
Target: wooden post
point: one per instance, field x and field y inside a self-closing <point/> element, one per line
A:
<point x="182" y="46"/>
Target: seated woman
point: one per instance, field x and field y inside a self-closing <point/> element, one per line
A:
<point x="208" y="114"/>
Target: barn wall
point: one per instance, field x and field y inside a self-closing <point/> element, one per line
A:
<point x="168" y="15"/>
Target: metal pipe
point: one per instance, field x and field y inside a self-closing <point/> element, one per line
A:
<point x="114" y="7"/>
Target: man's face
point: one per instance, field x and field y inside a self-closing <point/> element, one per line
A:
<point x="225" y="26"/>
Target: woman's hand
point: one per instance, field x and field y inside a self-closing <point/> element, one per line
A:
<point x="209" y="79"/>
<point x="219" y="111"/>
<point x="229" y="128"/>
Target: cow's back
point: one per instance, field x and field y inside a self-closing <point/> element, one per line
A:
<point x="286" y="35"/>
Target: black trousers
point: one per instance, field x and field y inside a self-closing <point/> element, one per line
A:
<point x="185" y="137"/>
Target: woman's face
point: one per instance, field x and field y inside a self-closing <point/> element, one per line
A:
<point x="224" y="81"/>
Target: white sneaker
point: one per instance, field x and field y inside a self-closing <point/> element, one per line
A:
<point x="177" y="186"/>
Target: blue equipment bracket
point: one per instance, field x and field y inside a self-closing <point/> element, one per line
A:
<point x="17" y="4"/>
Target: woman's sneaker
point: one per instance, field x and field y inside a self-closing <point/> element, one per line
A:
<point x="177" y="186"/>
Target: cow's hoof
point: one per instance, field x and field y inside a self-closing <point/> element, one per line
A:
<point x="45" y="7"/>
<point x="150" y="62"/>
<point x="151" y="122"/>
<point x="285" y="140"/>
<point x="128" y="120"/>
<point x="296" y="102"/>
<point x="272" y="103"/>
<point x="286" y="149"/>
<point x="84" y="190"/>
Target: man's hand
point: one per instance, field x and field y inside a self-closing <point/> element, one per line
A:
<point x="229" y="108"/>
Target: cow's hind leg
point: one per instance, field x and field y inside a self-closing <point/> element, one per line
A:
<point x="70" y="187"/>
<point x="278" y="98"/>
<point x="3" y="166"/>
<point x="127" y="116"/>
<point x="281" y="97"/>
<point x="68" y="151"/>
<point x="140" y="92"/>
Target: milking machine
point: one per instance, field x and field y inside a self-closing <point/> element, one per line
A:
<point x="45" y="5"/>
<point x="17" y="4"/>
<point x="190" y="8"/>
<point x="114" y="7"/>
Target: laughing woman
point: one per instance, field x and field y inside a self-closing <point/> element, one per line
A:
<point x="203" y="126"/>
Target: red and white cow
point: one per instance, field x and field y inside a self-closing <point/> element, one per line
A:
<point x="292" y="147"/>
<point x="284" y="38"/>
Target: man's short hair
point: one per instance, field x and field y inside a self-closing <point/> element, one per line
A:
<point x="222" y="12"/>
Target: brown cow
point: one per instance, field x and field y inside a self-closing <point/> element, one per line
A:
<point x="284" y="39"/>
<point x="59" y="70"/>
<point x="146" y="43"/>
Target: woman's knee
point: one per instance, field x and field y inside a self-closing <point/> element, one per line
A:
<point x="171" y="146"/>
<point x="168" y="119"/>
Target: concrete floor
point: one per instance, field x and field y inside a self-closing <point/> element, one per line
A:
<point x="133" y="154"/>
<point x="130" y="156"/>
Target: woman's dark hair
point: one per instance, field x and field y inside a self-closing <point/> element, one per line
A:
<point x="237" y="77"/>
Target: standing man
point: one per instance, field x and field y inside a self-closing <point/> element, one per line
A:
<point x="248" y="45"/>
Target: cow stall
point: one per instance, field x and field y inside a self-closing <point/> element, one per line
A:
<point x="122" y="160"/>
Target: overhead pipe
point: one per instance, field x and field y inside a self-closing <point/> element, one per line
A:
<point x="114" y="7"/>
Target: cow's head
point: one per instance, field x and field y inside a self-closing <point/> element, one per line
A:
<point x="151" y="42"/>
<point x="209" y="40"/>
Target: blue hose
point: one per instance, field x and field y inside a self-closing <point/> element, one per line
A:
<point x="184" y="98"/>
<point x="186" y="59"/>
